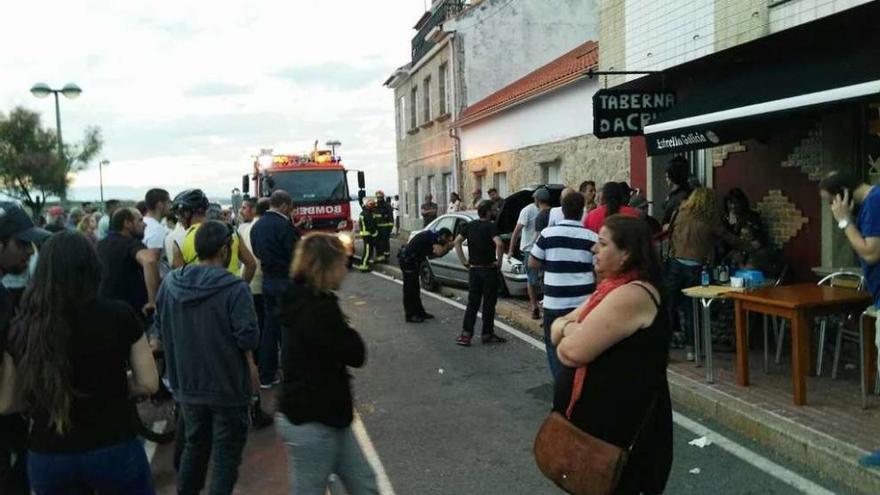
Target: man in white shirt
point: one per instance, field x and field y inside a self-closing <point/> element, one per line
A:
<point x="158" y="202"/>
<point x="524" y="234"/>
<point x="556" y="215"/>
<point x="395" y="207"/>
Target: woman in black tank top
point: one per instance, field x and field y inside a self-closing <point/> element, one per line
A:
<point x="623" y="342"/>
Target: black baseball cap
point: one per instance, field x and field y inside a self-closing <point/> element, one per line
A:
<point x="15" y="223"/>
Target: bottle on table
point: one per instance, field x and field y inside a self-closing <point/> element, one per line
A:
<point x="704" y="276"/>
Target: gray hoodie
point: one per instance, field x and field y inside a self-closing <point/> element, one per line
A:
<point x="207" y="321"/>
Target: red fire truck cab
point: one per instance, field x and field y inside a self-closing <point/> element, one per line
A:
<point x="317" y="182"/>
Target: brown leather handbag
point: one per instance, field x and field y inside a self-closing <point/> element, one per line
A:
<point x="576" y="461"/>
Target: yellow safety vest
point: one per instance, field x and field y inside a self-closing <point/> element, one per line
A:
<point x="188" y="250"/>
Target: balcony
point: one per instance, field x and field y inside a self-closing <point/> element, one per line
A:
<point x="431" y="20"/>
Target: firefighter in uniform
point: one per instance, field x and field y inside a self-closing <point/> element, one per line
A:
<point x="426" y="244"/>
<point x="369" y="233"/>
<point x="384" y="219"/>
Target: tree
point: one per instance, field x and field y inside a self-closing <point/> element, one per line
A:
<point x="30" y="168"/>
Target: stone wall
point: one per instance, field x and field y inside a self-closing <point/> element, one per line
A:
<point x="580" y="158"/>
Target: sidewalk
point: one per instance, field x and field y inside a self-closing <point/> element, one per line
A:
<point x="828" y="435"/>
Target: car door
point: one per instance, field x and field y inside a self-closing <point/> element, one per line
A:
<point x="444" y="266"/>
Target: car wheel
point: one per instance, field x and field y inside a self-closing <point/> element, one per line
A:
<point x="502" y="286"/>
<point x="426" y="276"/>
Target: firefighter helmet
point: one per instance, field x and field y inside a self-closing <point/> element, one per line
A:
<point x="371" y="203"/>
<point x="380" y="194"/>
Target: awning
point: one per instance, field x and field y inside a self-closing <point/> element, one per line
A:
<point x="751" y="89"/>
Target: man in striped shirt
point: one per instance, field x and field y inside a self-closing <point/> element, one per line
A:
<point x="564" y="253"/>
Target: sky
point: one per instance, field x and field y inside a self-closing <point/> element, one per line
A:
<point x="187" y="92"/>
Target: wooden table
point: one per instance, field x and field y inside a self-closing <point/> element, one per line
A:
<point x="703" y="296"/>
<point x="799" y="303"/>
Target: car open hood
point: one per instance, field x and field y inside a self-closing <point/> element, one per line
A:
<point x="513" y="204"/>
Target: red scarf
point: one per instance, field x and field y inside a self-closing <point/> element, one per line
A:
<point x="605" y="287"/>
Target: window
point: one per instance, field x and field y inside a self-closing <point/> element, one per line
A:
<point x="443" y="88"/>
<point x="406" y="198"/>
<point x="550" y="172"/>
<point x="426" y="96"/>
<point x="445" y="223"/>
<point x="432" y="190"/>
<point x="413" y="102"/>
<point x="478" y="183"/>
<point x="447" y="189"/>
<point x="401" y="118"/>
<point x="501" y="183"/>
<point x="418" y="198"/>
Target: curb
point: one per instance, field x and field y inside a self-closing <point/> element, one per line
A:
<point x="833" y="459"/>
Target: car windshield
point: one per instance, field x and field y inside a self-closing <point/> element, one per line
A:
<point x="312" y="186"/>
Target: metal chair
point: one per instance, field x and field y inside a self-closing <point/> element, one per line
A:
<point x="778" y="327"/>
<point x="870" y="312"/>
<point x="847" y="279"/>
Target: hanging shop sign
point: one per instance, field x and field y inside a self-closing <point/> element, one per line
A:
<point x="621" y="112"/>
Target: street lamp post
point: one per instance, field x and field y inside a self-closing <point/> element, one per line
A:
<point x="70" y="90"/>
<point x="101" y="165"/>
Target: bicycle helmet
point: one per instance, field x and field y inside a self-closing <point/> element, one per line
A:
<point x="191" y="200"/>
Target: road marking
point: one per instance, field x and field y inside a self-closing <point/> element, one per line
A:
<point x="781" y="473"/>
<point x="762" y="463"/>
<point x="363" y="439"/>
<point x="528" y="339"/>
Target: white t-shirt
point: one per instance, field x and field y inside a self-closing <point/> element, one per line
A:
<point x="527" y="218"/>
<point x="455" y="206"/>
<point x="154" y="233"/>
<point x="176" y="236"/>
<point x="556" y="216"/>
<point x="244" y="232"/>
<point x="395" y="207"/>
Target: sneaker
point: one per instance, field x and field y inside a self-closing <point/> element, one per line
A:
<point x="493" y="339"/>
<point x="427" y="316"/>
<point x="267" y="386"/>
<point x="415" y="319"/>
<point x="463" y="340"/>
<point x="260" y="420"/>
<point x="871" y="460"/>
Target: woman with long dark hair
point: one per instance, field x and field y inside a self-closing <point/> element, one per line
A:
<point x="614" y="348"/>
<point x="71" y="351"/>
<point x="614" y="200"/>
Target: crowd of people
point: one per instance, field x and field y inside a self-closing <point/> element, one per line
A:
<point x="229" y="310"/>
<point x="235" y="310"/>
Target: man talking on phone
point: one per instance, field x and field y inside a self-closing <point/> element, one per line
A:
<point x="855" y="205"/>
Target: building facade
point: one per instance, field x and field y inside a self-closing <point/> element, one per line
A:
<point x="538" y="130"/>
<point x="424" y="104"/>
<point x="770" y="97"/>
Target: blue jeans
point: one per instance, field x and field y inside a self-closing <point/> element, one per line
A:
<point x="117" y="469"/>
<point x="221" y="431"/>
<point x="679" y="276"/>
<point x="270" y="337"/>
<point x="552" y="357"/>
<point x="315" y="451"/>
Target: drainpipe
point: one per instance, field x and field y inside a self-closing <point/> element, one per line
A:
<point x="453" y="131"/>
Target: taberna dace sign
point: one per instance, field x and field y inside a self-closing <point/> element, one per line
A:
<point x="621" y="112"/>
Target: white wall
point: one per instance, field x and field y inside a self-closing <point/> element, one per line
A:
<point x="798" y="12"/>
<point x="664" y="34"/>
<point x="503" y="40"/>
<point x="559" y="115"/>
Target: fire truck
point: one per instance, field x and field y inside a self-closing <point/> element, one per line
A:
<point x="317" y="182"/>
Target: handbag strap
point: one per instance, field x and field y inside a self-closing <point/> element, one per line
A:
<point x="577" y="388"/>
<point x="644" y="422"/>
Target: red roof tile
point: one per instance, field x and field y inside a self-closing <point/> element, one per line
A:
<point x="565" y="69"/>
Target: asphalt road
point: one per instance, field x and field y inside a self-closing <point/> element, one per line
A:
<point x="450" y="420"/>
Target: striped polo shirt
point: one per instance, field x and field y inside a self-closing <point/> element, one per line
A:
<point x="565" y="252"/>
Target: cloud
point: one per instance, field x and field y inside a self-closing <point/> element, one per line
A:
<point x="334" y="76"/>
<point x="218" y="89"/>
<point x="186" y="92"/>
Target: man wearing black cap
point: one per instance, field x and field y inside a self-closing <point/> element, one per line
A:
<point x="17" y="238"/>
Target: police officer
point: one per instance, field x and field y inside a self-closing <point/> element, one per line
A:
<point x="369" y="233"/>
<point x="383" y="215"/>
<point x="425" y="244"/>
